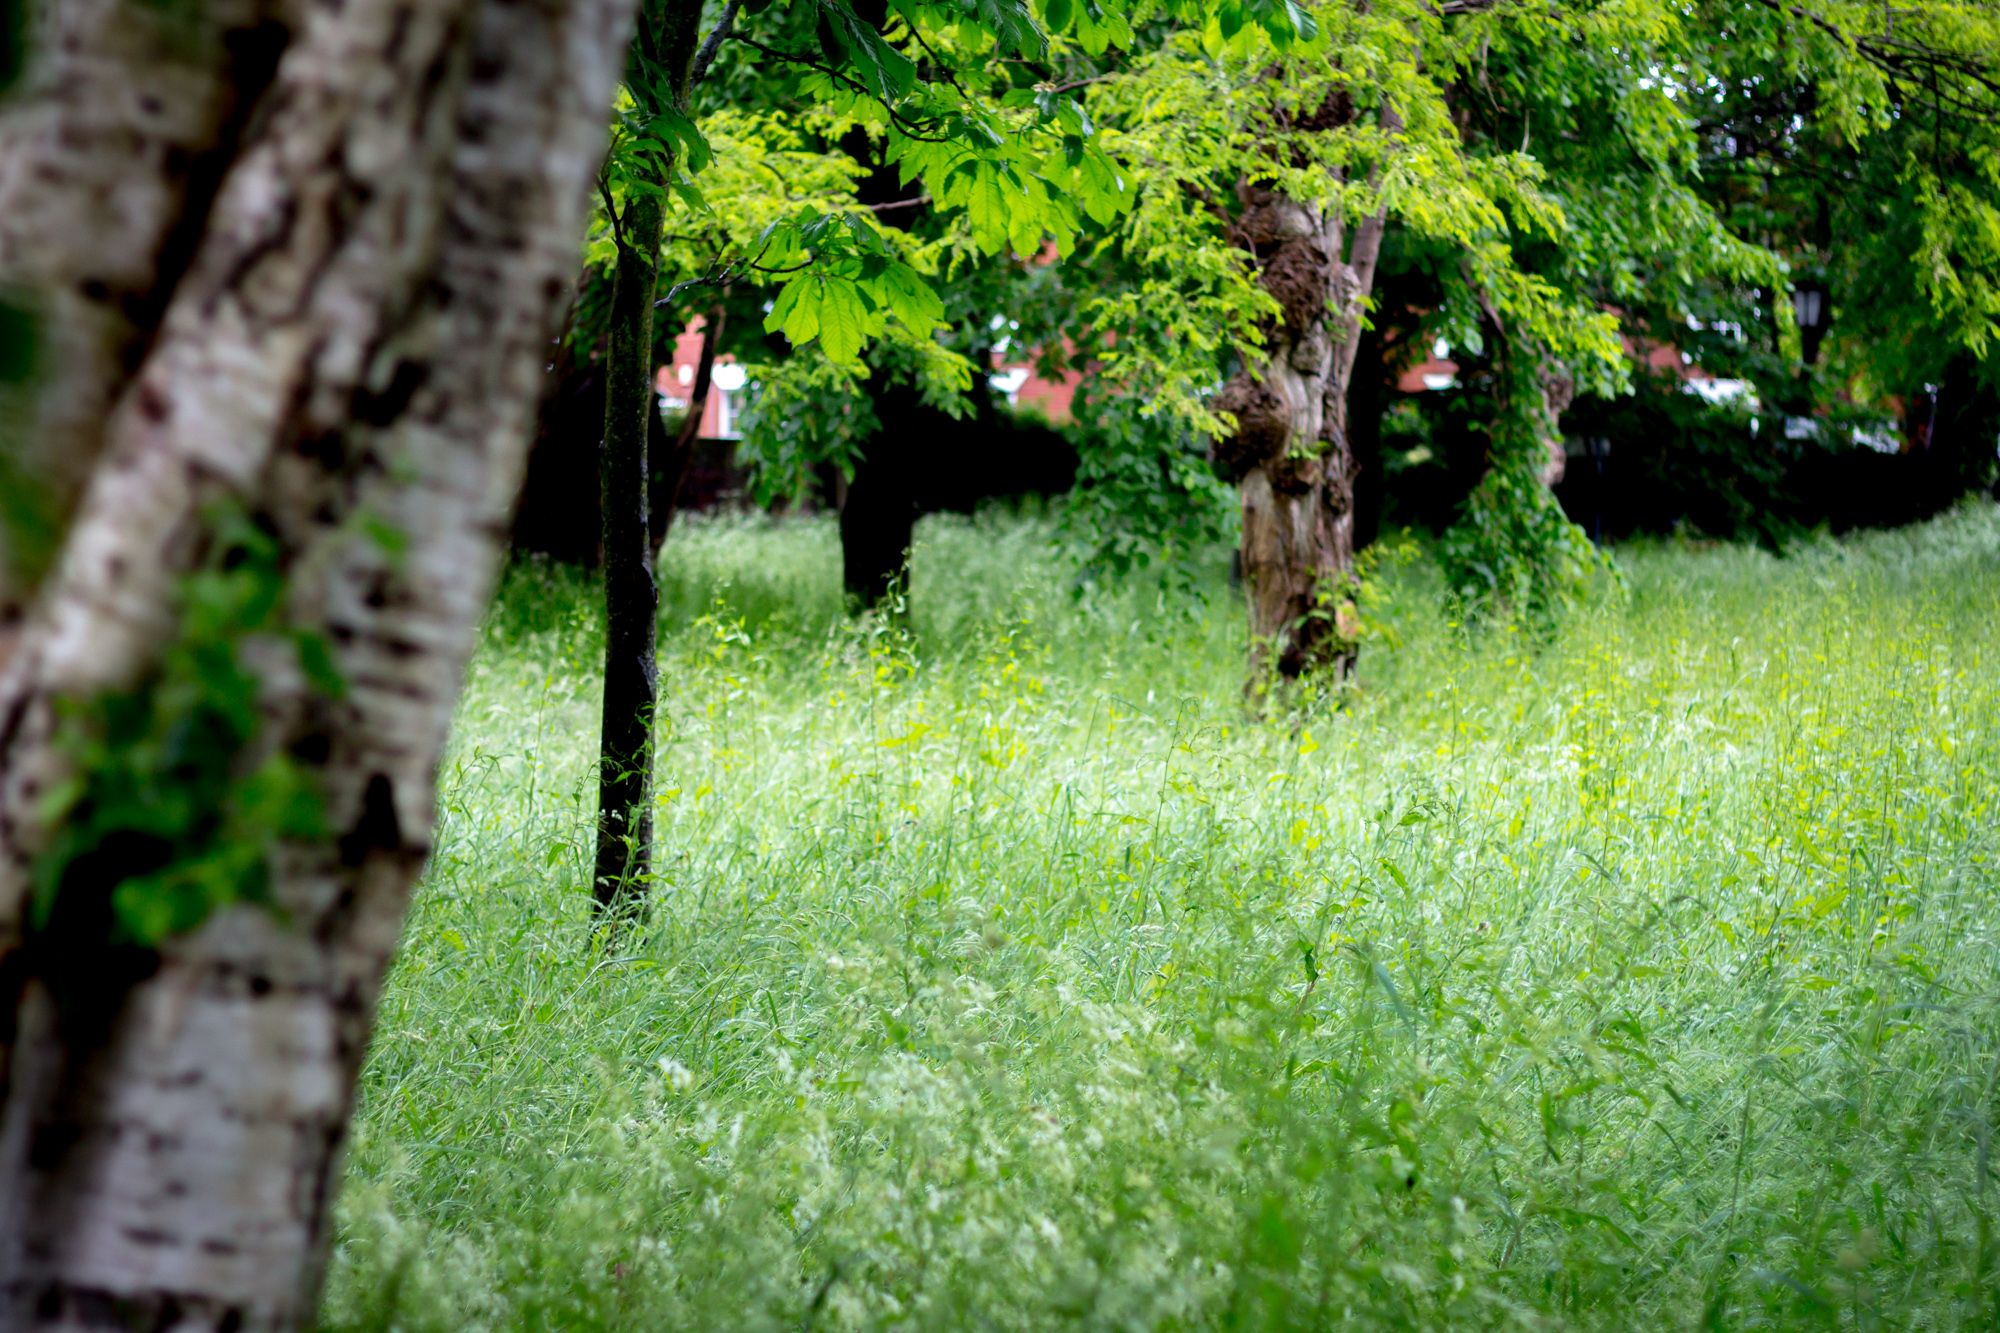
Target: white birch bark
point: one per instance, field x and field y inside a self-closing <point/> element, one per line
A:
<point x="109" y="155"/>
<point x="339" y="351"/>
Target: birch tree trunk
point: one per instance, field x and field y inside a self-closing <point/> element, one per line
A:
<point x="110" y="154"/>
<point x="349" y="354"/>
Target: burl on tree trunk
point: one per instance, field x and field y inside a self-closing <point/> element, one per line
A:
<point x="342" y="336"/>
<point x="1290" y="453"/>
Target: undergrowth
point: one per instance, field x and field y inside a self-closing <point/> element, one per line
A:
<point x="1002" y="975"/>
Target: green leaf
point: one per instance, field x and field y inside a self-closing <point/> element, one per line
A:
<point x="796" y="310"/>
<point x="987" y="208"/>
<point x="1100" y="188"/>
<point x="866" y="238"/>
<point x="843" y="320"/>
<point x="316" y="661"/>
<point x="911" y="299"/>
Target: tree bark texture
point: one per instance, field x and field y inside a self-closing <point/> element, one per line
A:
<point x="110" y="154"/>
<point x="631" y="599"/>
<point x="668" y="36"/>
<point x="353" y="349"/>
<point x="1290" y="453"/>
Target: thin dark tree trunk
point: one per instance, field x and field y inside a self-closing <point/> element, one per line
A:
<point x="631" y="600"/>
<point x="1366" y="391"/>
<point x="667" y="35"/>
<point x="878" y="512"/>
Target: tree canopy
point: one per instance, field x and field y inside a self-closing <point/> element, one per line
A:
<point x="1551" y="176"/>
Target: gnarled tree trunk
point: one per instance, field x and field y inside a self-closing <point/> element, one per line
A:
<point x="1290" y="453"/>
<point x="351" y="359"/>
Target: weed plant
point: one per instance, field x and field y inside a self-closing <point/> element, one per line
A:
<point x="1002" y="975"/>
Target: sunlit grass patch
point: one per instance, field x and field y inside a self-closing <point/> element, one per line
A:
<point x="1004" y="975"/>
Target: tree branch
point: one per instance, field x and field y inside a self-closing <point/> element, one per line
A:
<point x="611" y="210"/>
<point x="706" y="56"/>
<point x="908" y="127"/>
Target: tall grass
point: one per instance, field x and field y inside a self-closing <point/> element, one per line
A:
<point x="1002" y="975"/>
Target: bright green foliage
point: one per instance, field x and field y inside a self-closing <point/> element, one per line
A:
<point x="1932" y="68"/>
<point x="1514" y="553"/>
<point x="1016" y="166"/>
<point x="1003" y="977"/>
<point x="1558" y="168"/>
<point x="1881" y="193"/>
<point x="1201" y="114"/>
<point x="1362" y="119"/>
<point x="1145" y="497"/>
<point x="172" y="811"/>
<point x="805" y="410"/>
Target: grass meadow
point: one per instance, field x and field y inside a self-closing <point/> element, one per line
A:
<point x="1002" y="974"/>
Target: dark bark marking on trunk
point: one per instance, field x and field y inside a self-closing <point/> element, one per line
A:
<point x="378" y="828"/>
<point x="253" y="55"/>
<point x="380" y="409"/>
